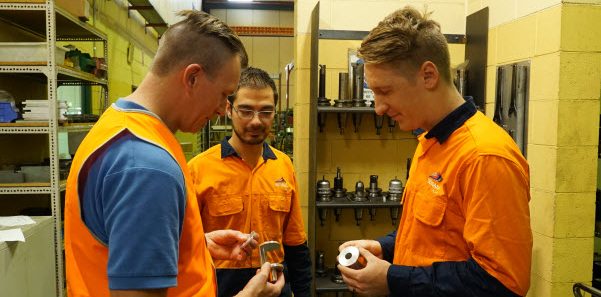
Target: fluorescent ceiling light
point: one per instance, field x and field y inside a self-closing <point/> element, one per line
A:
<point x="240" y="0"/>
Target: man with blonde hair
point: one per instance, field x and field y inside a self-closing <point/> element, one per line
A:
<point x="465" y="228"/>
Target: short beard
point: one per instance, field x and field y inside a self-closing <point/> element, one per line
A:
<point x="252" y="141"/>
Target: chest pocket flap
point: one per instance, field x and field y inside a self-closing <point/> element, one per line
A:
<point x="430" y="209"/>
<point x="223" y="205"/>
<point x="280" y="201"/>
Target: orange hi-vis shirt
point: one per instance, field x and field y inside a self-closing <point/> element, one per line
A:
<point x="264" y="199"/>
<point x="86" y="257"/>
<point x="468" y="198"/>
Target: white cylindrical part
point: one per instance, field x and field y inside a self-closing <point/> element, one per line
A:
<point x="350" y="257"/>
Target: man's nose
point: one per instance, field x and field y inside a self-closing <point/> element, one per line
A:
<point x="380" y="107"/>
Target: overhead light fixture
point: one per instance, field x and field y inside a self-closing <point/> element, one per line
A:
<point x="240" y="0"/>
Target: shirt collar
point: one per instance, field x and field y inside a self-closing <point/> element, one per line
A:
<point x="452" y="122"/>
<point x="228" y="150"/>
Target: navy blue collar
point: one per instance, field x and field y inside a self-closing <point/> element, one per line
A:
<point x="126" y="104"/>
<point x="452" y="122"/>
<point x="228" y="150"/>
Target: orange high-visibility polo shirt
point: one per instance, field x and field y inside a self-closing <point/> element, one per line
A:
<point x="264" y="199"/>
<point x="457" y="206"/>
<point x="87" y="257"/>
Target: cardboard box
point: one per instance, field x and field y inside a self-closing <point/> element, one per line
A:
<point x="78" y="8"/>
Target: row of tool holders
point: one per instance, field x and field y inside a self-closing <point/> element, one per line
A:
<point x="371" y="198"/>
<point x="351" y="101"/>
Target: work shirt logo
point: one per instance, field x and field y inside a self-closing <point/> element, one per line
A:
<point x="281" y="184"/>
<point x="436" y="176"/>
<point x="433" y="181"/>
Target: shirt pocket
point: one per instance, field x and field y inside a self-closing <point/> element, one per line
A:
<point x="280" y="202"/>
<point x="430" y="209"/>
<point x="429" y="237"/>
<point x="225" y="205"/>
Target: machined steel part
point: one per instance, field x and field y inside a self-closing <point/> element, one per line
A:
<point x="264" y="248"/>
<point x="351" y="257"/>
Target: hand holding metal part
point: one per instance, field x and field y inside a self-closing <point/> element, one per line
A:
<point x="276" y="268"/>
<point x="368" y="278"/>
<point x="230" y="244"/>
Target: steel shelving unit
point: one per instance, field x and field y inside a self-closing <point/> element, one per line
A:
<point x="45" y="21"/>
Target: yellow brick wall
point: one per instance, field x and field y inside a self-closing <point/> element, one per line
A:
<point x="562" y="41"/>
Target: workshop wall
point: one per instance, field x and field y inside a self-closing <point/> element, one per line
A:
<point x="268" y="53"/>
<point x="565" y="82"/>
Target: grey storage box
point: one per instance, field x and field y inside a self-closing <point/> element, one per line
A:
<point x="11" y="177"/>
<point x="36" y="174"/>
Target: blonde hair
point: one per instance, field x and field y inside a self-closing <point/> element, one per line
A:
<point x="407" y="38"/>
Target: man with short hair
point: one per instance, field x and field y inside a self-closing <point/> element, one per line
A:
<point x="465" y="228"/>
<point x="132" y="226"/>
<point x="244" y="184"/>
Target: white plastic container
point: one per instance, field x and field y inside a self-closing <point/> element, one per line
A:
<point x="29" y="52"/>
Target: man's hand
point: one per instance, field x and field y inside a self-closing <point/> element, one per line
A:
<point x="227" y="245"/>
<point x="258" y="286"/>
<point x="371" y="280"/>
<point x="372" y="246"/>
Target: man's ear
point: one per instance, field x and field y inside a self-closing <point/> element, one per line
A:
<point x="228" y="109"/>
<point x="192" y="73"/>
<point x="430" y="75"/>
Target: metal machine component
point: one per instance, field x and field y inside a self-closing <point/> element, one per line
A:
<point x="378" y="122"/>
<point x="391" y="124"/>
<point x="395" y="190"/>
<point x="343" y="100"/>
<point x="358" y="215"/>
<point x="374" y="193"/>
<point x="337" y="277"/>
<point x="322" y="100"/>
<point x="320" y="265"/>
<point x="350" y="257"/>
<point x="395" y="193"/>
<point x="357" y="85"/>
<point x="343" y="96"/>
<point x="360" y="194"/>
<point x="356" y="121"/>
<point x="324" y="194"/>
<point x="339" y="190"/>
<point x="265" y="248"/>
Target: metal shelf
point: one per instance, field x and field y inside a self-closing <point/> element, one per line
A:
<point x="30" y="188"/>
<point x="65" y="75"/>
<point x="25" y="188"/>
<point x="344" y="203"/>
<point x="24" y="128"/>
<point x="333" y="109"/>
<point x="71" y="76"/>
<point x="76" y="127"/>
<point x="31" y="17"/>
<point x="325" y="284"/>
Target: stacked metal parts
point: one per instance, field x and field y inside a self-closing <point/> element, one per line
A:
<point x="351" y="100"/>
<point x="371" y="198"/>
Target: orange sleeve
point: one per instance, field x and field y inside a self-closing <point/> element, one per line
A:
<point x="497" y="227"/>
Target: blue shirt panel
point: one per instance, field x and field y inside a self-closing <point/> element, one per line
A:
<point x="134" y="202"/>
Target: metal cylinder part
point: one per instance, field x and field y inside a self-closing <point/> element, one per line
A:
<point x="322" y="81"/>
<point x="350" y="257"/>
<point x="324" y="192"/>
<point x="395" y="189"/>
<point x="358" y="81"/>
<point x="373" y="182"/>
<point x="320" y="266"/>
<point x="343" y="86"/>
<point x="338" y="181"/>
<point x="360" y="194"/>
